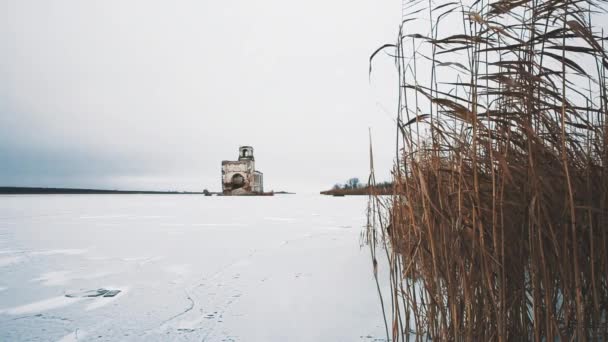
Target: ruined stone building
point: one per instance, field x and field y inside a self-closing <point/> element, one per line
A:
<point x="240" y="177"/>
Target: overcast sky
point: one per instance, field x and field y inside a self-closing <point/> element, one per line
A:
<point x="154" y="94"/>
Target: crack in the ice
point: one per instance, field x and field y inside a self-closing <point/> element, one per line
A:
<point x="42" y="316"/>
<point x="192" y="304"/>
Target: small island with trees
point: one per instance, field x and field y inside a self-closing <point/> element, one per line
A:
<point x="354" y="187"/>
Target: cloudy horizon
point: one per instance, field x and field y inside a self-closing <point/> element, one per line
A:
<point x="155" y="94"/>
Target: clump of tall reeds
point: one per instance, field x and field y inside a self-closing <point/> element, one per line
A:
<point x="497" y="228"/>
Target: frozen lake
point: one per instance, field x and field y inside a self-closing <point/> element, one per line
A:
<point x="192" y="268"/>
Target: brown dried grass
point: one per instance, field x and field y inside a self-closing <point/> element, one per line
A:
<point x="497" y="226"/>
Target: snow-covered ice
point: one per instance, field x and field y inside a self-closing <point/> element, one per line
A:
<point x="41" y="306"/>
<point x="7" y="260"/>
<point x="189" y="268"/>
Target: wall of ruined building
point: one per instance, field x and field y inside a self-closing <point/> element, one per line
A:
<point x="258" y="185"/>
<point x="243" y="167"/>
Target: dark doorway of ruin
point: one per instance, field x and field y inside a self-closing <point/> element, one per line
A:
<point x="238" y="181"/>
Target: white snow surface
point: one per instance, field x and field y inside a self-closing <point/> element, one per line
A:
<point x="190" y="268"/>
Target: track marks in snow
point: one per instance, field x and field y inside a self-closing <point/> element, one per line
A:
<point x="73" y="336"/>
<point x="209" y="299"/>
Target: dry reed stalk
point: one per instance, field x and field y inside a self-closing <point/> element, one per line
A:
<point x="497" y="226"/>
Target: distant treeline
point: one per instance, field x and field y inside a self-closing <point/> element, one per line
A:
<point x="14" y="190"/>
